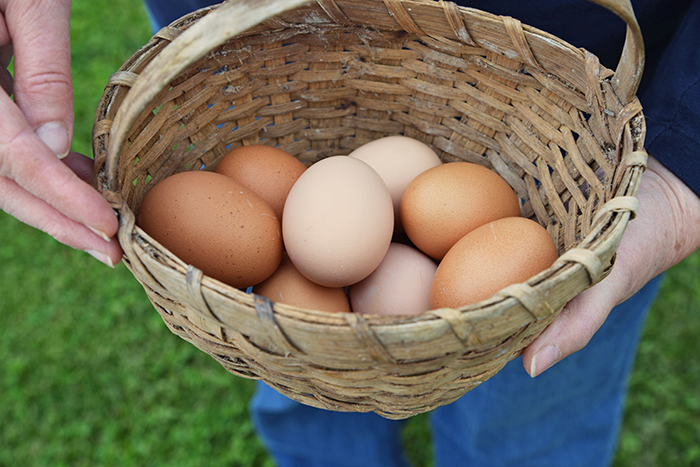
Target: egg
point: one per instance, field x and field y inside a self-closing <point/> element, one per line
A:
<point x="215" y="224"/>
<point x="338" y="221"/>
<point x="398" y="160"/>
<point x="399" y="286"/>
<point x="443" y="204"/>
<point x="270" y="172"/>
<point x="500" y="253"/>
<point x="287" y="285"/>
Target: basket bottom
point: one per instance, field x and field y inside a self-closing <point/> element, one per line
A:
<point x="381" y="390"/>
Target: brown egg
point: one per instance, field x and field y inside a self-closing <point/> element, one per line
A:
<point x="270" y="172"/>
<point x="288" y="285"/>
<point x="490" y="258"/>
<point x="216" y="224"/>
<point x="443" y="204"/>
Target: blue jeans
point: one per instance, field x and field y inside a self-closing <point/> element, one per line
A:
<point x="568" y="416"/>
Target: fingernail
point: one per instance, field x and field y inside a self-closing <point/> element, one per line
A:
<point x="544" y="359"/>
<point x="103" y="235"/>
<point x="55" y="136"/>
<point x="101" y="257"/>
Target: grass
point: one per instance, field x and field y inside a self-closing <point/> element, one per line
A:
<point x="662" y="419"/>
<point x="90" y="375"/>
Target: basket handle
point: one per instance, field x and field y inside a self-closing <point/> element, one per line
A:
<point x="235" y="17"/>
<point x="628" y="74"/>
<point x="232" y="19"/>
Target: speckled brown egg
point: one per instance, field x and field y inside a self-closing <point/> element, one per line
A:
<point x="500" y="253"/>
<point x="215" y="224"/>
<point x="443" y="204"/>
<point x="268" y="171"/>
<point x="287" y="285"/>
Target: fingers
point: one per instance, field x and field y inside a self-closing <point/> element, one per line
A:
<point x="35" y="186"/>
<point x="40" y="35"/>
<point x="35" y="212"/>
<point x="31" y="165"/>
<point x="585" y="314"/>
<point x="4" y="35"/>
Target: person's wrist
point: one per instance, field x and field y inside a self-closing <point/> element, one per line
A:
<point x="683" y="213"/>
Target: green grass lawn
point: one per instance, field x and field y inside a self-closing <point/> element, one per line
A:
<point x="90" y="375"/>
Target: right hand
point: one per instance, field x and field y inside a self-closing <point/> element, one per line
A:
<point x="43" y="183"/>
<point x="664" y="233"/>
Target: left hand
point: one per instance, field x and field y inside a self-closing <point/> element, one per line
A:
<point x="39" y="185"/>
<point x="665" y="231"/>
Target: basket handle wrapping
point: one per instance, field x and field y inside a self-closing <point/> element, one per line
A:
<point x="628" y="74"/>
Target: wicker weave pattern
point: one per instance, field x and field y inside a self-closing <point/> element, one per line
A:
<point x="324" y="78"/>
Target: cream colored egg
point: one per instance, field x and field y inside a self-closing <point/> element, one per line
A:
<point x="399" y="286"/>
<point x="338" y="221"/>
<point x="398" y="160"/>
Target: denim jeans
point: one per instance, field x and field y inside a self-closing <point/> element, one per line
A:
<point x="568" y="416"/>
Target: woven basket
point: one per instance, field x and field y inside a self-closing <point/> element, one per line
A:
<point x="320" y="79"/>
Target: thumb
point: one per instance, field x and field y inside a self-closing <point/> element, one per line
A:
<point x="43" y="85"/>
<point x="574" y="327"/>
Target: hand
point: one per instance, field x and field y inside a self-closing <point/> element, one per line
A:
<point x="665" y="231"/>
<point x="39" y="185"/>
